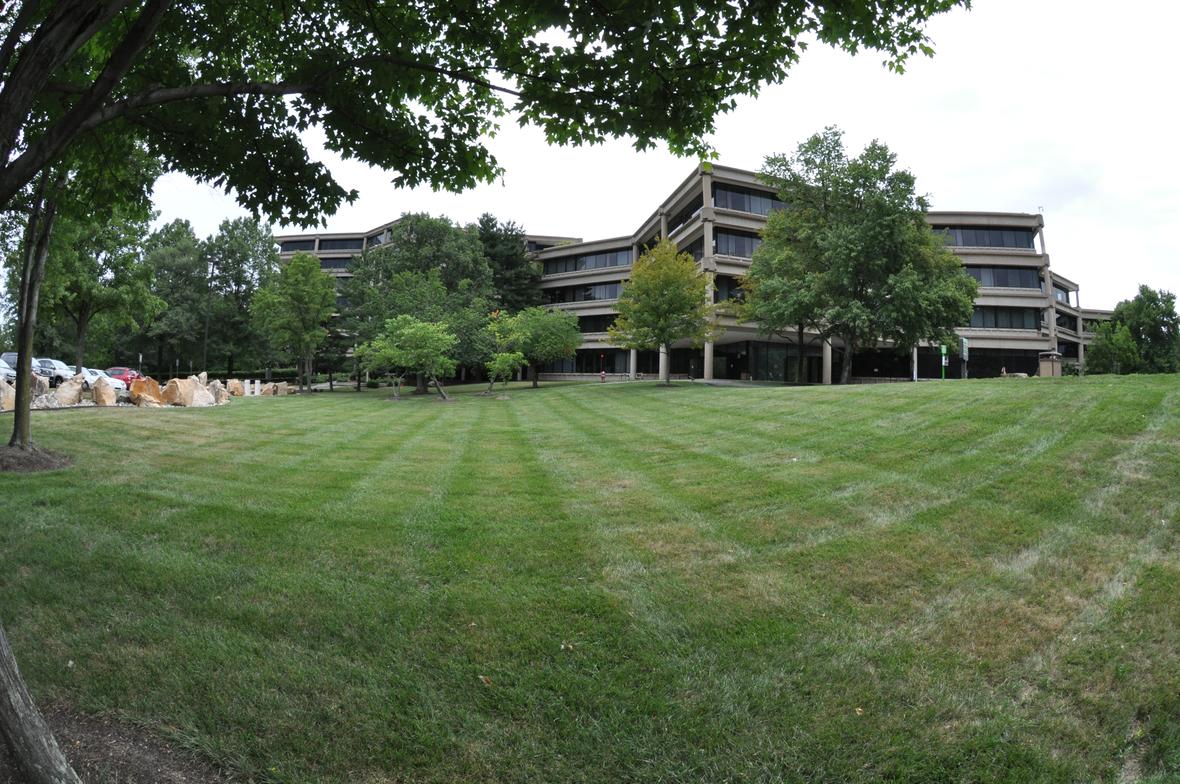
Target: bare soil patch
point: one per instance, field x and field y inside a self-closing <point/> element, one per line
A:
<point x="103" y="750"/>
<point x="32" y="459"/>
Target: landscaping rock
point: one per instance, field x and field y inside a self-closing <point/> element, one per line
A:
<point x="201" y="397"/>
<point x="145" y="392"/>
<point x="102" y="393"/>
<point x="235" y="388"/>
<point x="69" y="393"/>
<point x="37" y="386"/>
<point x="269" y="389"/>
<point x="220" y="394"/>
<point x="7" y="396"/>
<point x="203" y="378"/>
<point x="44" y="401"/>
<point x="281" y="389"/>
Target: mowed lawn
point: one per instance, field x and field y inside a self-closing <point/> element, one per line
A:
<point x="970" y="581"/>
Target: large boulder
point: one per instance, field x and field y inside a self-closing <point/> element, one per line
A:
<point x="203" y="378"/>
<point x="102" y="393"/>
<point x="235" y="388"/>
<point x="145" y="393"/>
<point x="38" y="386"/>
<point x="44" y="401"/>
<point x="281" y="389"/>
<point x="69" y="393"/>
<point x="269" y="389"/>
<point x="201" y="397"/>
<point x="220" y="394"/>
<point x="187" y="392"/>
<point x="7" y="396"/>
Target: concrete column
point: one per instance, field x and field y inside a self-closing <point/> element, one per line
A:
<point x="257" y="387"/>
<point x="707" y="228"/>
<point x="633" y="364"/>
<point x="827" y="362"/>
<point x="663" y="224"/>
<point x="708" y="360"/>
<point x="663" y="361"/>
<point x="914" y="364"/>
<point x="1081" y="352"/>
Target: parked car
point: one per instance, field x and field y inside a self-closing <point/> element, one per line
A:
<point x="9" y="357"/>
<point x="7" y="372"/>
<point x="124" y="374"/>
<point x="90" y="375"/>
<point x="53" y="370"/>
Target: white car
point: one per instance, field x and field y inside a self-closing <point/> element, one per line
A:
<point x="6" y="372"/>
<point x="90" y="375"/>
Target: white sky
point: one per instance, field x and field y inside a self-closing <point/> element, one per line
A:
<point x="1066" y="107"/>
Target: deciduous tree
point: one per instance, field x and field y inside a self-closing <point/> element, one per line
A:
<point x="409" y="345"/>
<point x="1113" y="350"/>
<point x="543" y="335"/>
<point x="664" y="302"/>
<point x="868" y="265"/>
<point x="1151" y="321"/>
<point x="293" y="310"/>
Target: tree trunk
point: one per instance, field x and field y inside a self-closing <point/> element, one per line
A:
<point x="331" y="386"/>
<point x="438" y="385"/>
<point x="80" y="342"/>
<point x="420" y="385"/>
<point x="799" y="375"/>
<point x="34" y="251"/>
<point x="846" y="369"/>
<point x="533" y="375"/>
<point x="229" y="365"/>
<point x="666" y="370"/>
<point x="24" y="729"/>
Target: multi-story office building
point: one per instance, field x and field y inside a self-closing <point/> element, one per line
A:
<point x="1023" y="310"/>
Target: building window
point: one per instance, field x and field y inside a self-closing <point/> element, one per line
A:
<point x="734" y="243"/>
<point x="342" y="243"/>
<point x="335" y="262"/>
<point x="685" y="215"/>
<point x="727" y="287"/>
<point x="591" y="360"/>
<point x="607" y="258"/>
<point x="987" y="317"/>
<point x="596" y="323"/>
<point x="696" y="248"/>
<point x="1061" y="295"/>
<point x="592" y="293"/>
<point x="972" y="237"/>
<point x="1006" y="277"/>
<point x="733" y="197"/>
<point x="1066" y="321"/>
<point x="290" y="246"/>
<point x="375" y="239"/>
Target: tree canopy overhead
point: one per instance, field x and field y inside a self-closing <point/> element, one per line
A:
<point x="221" y="90"/>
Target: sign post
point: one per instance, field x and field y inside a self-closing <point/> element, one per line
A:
<point x="942" y="346"/>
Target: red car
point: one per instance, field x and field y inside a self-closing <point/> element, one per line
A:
<point x="124" y="374"/>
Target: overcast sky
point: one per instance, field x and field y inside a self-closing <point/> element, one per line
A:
<point x="1066" y="107"/>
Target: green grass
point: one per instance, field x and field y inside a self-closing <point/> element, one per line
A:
<point x="972" y="581"/>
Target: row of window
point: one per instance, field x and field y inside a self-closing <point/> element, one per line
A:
<point x="1061" y="295"/>
<point x="595" y="323"/>
<point x="988" y="317"/>
<point x="335" y="262"/>
<point x="735" y="243"/>
<point x="590" y="293"/>
<point x="608" y="258"/>
<point x="732" y="197"/>
<point x="1006" y="277"/>
<point x="338" y="243"/>
<point x="685" y="215"/>
<point x="1065" y="321"/>
<point x="972" y="237"/>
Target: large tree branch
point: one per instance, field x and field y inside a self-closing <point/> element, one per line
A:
<point x="51" y="143"/>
